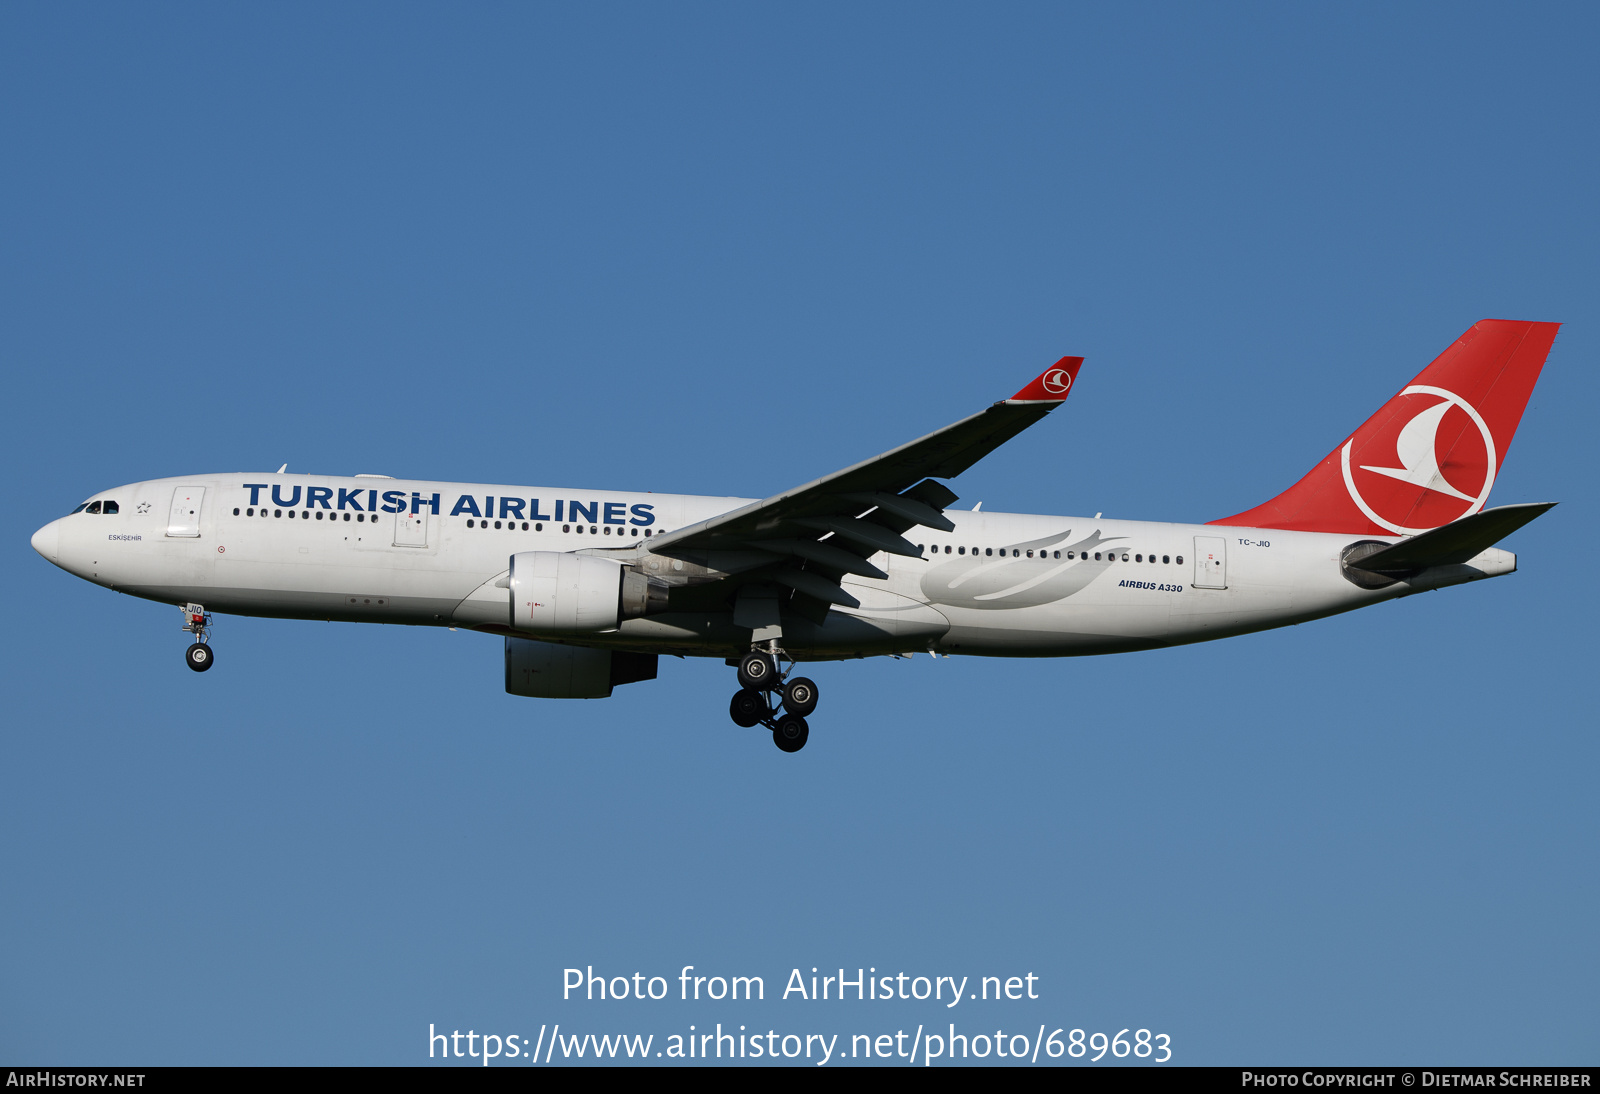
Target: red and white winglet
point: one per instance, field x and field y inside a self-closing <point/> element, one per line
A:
<point x="1052" y="385"/>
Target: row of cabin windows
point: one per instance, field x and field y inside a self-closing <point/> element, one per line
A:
<point x="102" y="507"/>
<point x="594" y="530"/>
<point x="1110" y="556"/>
<point x="305" y="514"/>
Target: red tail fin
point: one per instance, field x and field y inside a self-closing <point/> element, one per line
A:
<point x="1430" y="456"/>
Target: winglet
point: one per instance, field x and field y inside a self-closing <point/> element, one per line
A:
<point x="1053" y="385"/>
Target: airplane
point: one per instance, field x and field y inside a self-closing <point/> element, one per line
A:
<point x="590" y="587"/>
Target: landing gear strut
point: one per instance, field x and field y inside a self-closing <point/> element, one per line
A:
<point x="760" y="683"/>
<point x="197" y="621"/>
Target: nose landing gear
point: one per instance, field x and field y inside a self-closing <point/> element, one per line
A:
<point x="197" y="621"/>
<point x="759" y="682"/>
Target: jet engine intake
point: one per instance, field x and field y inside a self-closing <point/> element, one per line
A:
<point x="553" y="592"/>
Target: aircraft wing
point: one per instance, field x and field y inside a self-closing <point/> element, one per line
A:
<point x="820" y="531"/>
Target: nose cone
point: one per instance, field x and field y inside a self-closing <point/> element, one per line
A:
<point x="47" y="541"/>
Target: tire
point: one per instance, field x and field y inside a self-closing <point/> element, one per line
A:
<point x="748" y="708"/>
<point x="800" y="696"/>
<point x="791" y="734"/>
<point x="758" y="672"/>
<point x="199" y="657"/>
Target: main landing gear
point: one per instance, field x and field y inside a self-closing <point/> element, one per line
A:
<point x="197" y="621"/>
<point x="760" y="683"/>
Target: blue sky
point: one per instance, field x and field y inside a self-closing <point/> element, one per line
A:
<point x="724" y="249"/>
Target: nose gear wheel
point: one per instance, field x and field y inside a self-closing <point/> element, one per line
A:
<point x="197" y="621"/>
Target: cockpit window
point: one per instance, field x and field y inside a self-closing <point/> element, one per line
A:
<point x="111" y="507"/>
<point x="80" y="508"/>
<point x="94" y="507"/>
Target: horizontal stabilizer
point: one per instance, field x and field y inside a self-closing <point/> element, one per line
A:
<point x="1454" y="543"/>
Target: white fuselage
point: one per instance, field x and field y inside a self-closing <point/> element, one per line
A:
<point x="382" y="550"/>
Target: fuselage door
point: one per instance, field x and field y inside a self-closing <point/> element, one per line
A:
<point x="411" y="529"/>
<point x="1210" y="562"/>
<point x="184" y="520"/>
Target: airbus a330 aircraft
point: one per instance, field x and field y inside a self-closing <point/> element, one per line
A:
<point x="590" y="587"/>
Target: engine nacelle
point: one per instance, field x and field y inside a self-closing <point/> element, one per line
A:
<point x="545" y="670"/>
<point x="557" y="593"/>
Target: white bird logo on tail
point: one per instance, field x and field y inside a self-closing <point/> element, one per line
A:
<point x="1419" y="458"/>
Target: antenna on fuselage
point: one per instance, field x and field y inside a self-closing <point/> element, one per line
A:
<point x="281" y="470"/>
